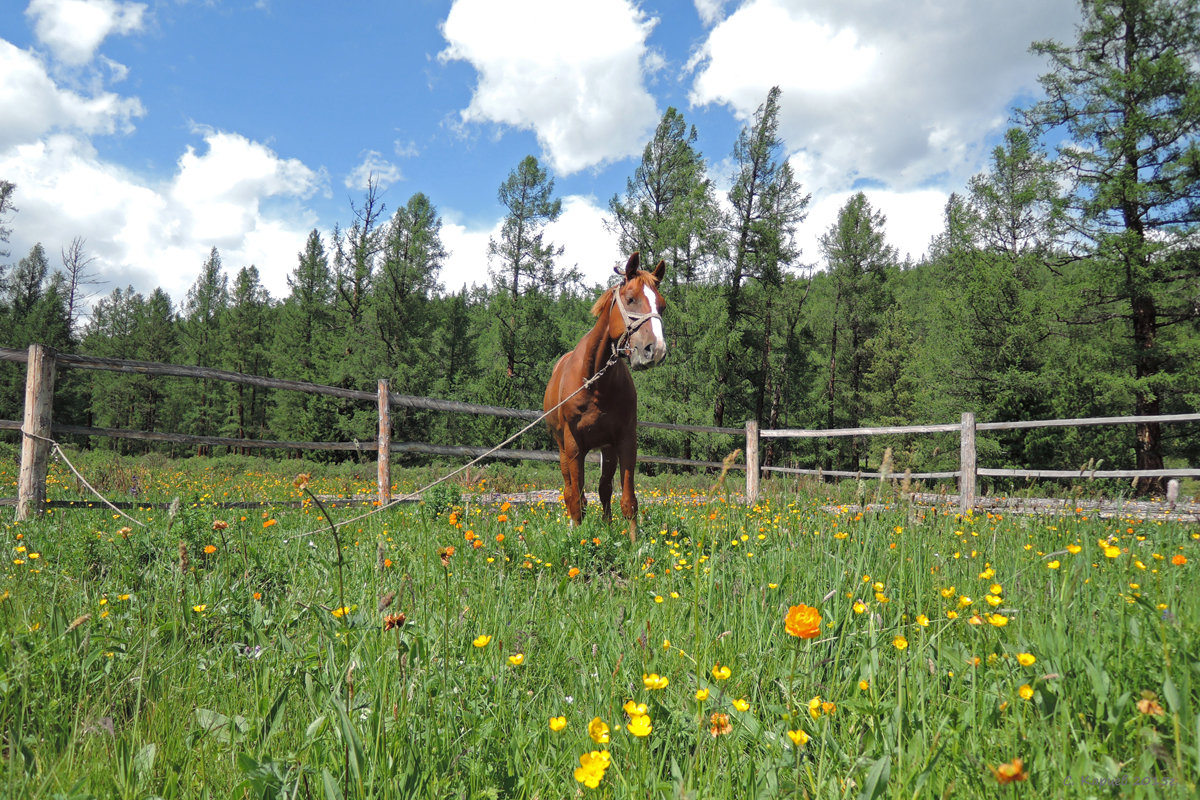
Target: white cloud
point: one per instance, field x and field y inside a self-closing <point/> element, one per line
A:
<point x="572" y="73"/>
<point x="710" y="11"/>
<point x="580" y="230"/>
<point x="74" y="29"/>
<point x="898" y="93"/>
<point x="373" y="167"/>
<point x="913" y="218"/>
<point x="157" y="234"/>
<point x="44" y="106"/>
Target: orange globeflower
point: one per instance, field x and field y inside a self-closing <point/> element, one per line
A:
<point x="1178" y="559"/>
<point x="1008" y="773"/>
<point x="803" y="622"/>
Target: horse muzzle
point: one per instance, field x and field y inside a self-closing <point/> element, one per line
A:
<point x="649" y="354"/>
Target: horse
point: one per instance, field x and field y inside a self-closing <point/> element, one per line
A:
<point x="591" y="402"/>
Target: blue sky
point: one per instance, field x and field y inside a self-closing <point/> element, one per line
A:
<point x="156" y="130"/>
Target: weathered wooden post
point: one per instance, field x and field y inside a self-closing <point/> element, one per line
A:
<point x="35" y="429"/>
<point x="966" y="464"/>
<point x="752" y="461"/>
<point x="384" y="475"/>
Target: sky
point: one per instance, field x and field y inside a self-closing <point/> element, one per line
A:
<point x="158" y="130"/>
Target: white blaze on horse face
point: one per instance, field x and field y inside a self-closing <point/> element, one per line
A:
<point x="655" y="323"/>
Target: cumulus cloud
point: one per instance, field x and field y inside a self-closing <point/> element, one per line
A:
<point x="913" y="219"/>
<point x="149" y="233"/>
<point x="710" y="11"/>
<point x="901" y="94"/>
<point x="45" y="106"/>
<point x="373" y="167"/>
<point x="571" y="73"/>
<point x="74" y="29"/>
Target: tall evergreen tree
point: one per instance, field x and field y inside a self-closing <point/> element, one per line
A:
<point x="1127" y="96"/>
<point x="246" y="331"/>
<point x="202" y="345"/>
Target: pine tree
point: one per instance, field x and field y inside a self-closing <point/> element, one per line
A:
<point x="202" y="345"/>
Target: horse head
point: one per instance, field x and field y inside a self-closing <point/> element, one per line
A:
<point x="637" y="327"/>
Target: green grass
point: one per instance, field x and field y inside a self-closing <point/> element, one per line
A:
<point x="123" y="675"/>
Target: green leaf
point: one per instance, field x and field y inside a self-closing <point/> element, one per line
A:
<point x="1171" y="693"/>
<point x="877" y="779"/>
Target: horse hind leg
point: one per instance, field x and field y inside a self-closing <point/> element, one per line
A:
<point x="608" y="468"/>
<point x="629" y="503"/>
<point x="571" y="464"/>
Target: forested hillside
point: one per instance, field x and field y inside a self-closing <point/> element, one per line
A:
<point x="1066" y="283"/>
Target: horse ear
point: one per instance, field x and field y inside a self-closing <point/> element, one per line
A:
<point x="631" y="266"/>
<point x="660" y="270"/>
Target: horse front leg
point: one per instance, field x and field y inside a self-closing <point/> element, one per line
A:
<point x="608" y="468"/>
<point x="629" y="505"/>
<point x="570" y="461"/>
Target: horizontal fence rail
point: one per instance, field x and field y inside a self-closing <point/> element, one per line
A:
<point x="42" y="361"/>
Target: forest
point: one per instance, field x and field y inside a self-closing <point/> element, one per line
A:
<point x="1065" y="283"/>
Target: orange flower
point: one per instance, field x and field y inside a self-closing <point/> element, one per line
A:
<point x="499" y="537"/>
<point x="394" y="621"/>
<point x="219" y="525"/>
<point x="209" y="549"/>
<point x="803" y="622"/>
<point x="1179" y="559"/>
<point x="572" y="572"/>
<point x="719" y="725"/>
<point x="269" y="523"/>
<point x="1008" y="773"/>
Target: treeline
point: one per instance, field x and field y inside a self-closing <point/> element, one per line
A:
<point x="1064" y="284"/>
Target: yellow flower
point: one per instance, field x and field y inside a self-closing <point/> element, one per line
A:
<point x="952" y="614"/>
<point x="482" y="640"/>
<point x="814" y="707"/>
<point x="996" y="589"/>
<point x="654" y="681"/>
<point x="1026" y="691"/>
<point x="591" y="768"/>
<point x="516" y="659"/>
<point x="702" y="695"/>
<point x="635" y="709"/>
<point x="1026" y="659"/>
<point x="798" y="737"/>
<point x="1053" y="564"/>
<point x="1112" y="551"/>
<point x="198" y="609"/>
<point x="923" y="620"/>
<point x="965" y="601"/>
<point x="598" y="731"/>
<point x="859" y="607"/>
<point x="1073" y="549"/>
<point x="640" y="725"/>
<point x="864" y="685"/>
<point x="720" y="673"/>
<point x="948" y="592"/>
<point x="341" y="612"/>
<point x="900" y="642"/>
<point x="993" y="600"/>
<point x="558" y="723"/>
<point x="741" y="704"/>
<point x="999" y="620"/>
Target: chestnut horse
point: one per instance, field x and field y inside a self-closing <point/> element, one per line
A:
<point x="591" y="402"/>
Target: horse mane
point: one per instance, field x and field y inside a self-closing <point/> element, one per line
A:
<point x="605" y="300"/>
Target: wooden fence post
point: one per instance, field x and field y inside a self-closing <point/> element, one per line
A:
<point x="35" y="452"/>
<point x="384" y="476"/>
<point x="752" y="460"/>
<point x="966" y="464"/>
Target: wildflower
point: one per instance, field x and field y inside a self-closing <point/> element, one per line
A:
<point x="301" y="481"/>
<point x="1073" y="549"/>
<point x="654" y="681"/>
<point x="598" y="731"/>
<point x="900" y="642"/>
<point x="1008" y="773"/>
<point x="444" y="553"/>
<point x="482" y="640"/>
<point x="1026" y="691"/>
<point x="558" y="723"/>
<point x="993" y="600"/>
<point x="200" y="608"/>
<point x="1112" y="551"/>
<point x="1026" y="659"/>
<point x="923" y="620"/>
<point x="798" y="737"/>
<point x="341" y="612"/>
<point x="741" y="704"/>
<point x="219" y="525"/>
<point x="502" y="518"/>
<point x="499" y="537"/>
<point x="948" y="592"/>
<point x="720" y="673"/>
<point x="951" y="614"/>
<point x="828" y="707"/>
<point x="814" y="707"/>
<point x="591" y="768"/>
<point x="1179" y="559"/>
<point x="864" y="685"/>
<point x="1053" y="564"/>
<point x="803" y="622"/>
<point x="996" y="589"/>
<point x="210" y="549"/>
<point x="270" y="522"/>
<point x="718" y="725"/>
<point x="1150" y="706"/>
<point x="573" y="572"/>
<point x="701" y="695"/>
<point x="999" y="620"/>
<point x="634" y="709"/>
<point x="516" y="659"/>
<point x="640" y="725"/>
<point x="123" y="597"/>
<point x="975" y="619"/>
<point x="859" y="607"/>
<point x="965" y="601"/>
<point x="394" y="621"/>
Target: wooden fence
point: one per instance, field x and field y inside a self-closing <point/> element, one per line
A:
<point x="38" y="429"/>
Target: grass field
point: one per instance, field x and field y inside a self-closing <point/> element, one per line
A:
<point x="459" y="649"/>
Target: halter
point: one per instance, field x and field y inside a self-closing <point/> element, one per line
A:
<point x="632" y="321"/>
